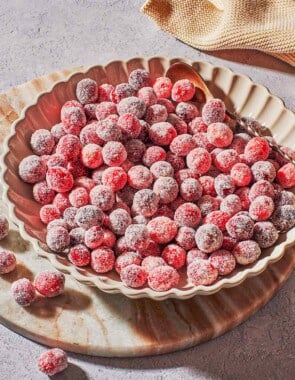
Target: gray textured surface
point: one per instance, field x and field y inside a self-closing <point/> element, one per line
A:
<point x="38" y="37"/>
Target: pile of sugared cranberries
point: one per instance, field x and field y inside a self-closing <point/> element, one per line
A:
<point x="138" y="179"/>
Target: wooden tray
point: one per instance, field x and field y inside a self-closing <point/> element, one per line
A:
<point x="87" y="321"/>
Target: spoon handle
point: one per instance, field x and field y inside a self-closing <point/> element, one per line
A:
<point x="253" y="128"/>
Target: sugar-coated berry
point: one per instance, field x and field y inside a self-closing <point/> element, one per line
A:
<point x="23" y="292"/>
<point x="153" y="154"/>
<point x="102" y="197"/>
<point x="126" y="195"/>
<point x="102" y="259"/>
<point x="61" y="201"/>
<point x="162" y="169"/>
<point x="228" y="242"/>
<point x="166" y="188"/>
<point x="207" y="183"/>
<point x="151" y="262"/>
<point x="127" y="258"/>
<point x="179" y="124"/>
<point x="148" y="95"/>
<point x="257" y="149"/>
<point x="105" y="109"/>
<point x="185" y="238"/>
<point x="263" y="170"/>
<point x="168" y="104"/>
<point x="188" y="215"/>
<point x="260" y="188"/>
<point x="79" y="197"/>
<point x="231" y="204"/>
<point x="224" y="185"/>
<point x="243" y="194"/>
<point x="152" y="249"/>
<point x="104" y="91"/>
<point x="208" y="204"/>
<point x="109" y="238"/>
<point x="202" y="272"/>
<point x="137" y="236"/>
<point x="195" y="254"/>
<point x="70" y="146"/>
<point x="89" y="216"/>
<point x="79" y="255"/>
<point x="184" y="174"/>
<point x="56" y="159"/>
<point x="53" y="361"/>
<point x="50" y="283"/>
<point x="88" y="134"/>
<point x="240" y="227"/>
<point x="201" y="141"/>
<point x="162" y="133"/>
<point x="57" y="238"/>
<point x="246" y="252"/>
<point x="133" y="276"/>
<point x="223" y="261"/>
<point x="114" y="177"/>
<point x="69" y="104"/>
<point x="199" y="160"/>
<point x="261" y="208"/>
<point x="139" y="78"/>
<point x="163" y="278"/>
<point x="77" y="236"/>
<point x="135" y="149"/>
<point x="129" y="125"/>
<point x="186" y="111"/>
<point x="94" y="237"/>
<point x="174" y="255"/>
<point x="191" y="189"/>
<point x="119" y="220"/>
<point x="32" y="169"/>
<point x="286" y="176"/>
<point x="156" y="113"/>
<point x="87" y="91"/>
<point x="162" y="87"/>
<point x="177" y="162"/>
<point x="77" y="169"/>
<point x="121" y="91"/>
<point x="146" y="202"/>
<point x="162" y="229"/>
<point x="85" y="182"/>
<point x="241" y="174"/>
<point x="208" y="238"/>
<point x="197" y="125"/>
<point x="59" y="179"/>
<point x="139" y="177"/>
<point x="220" y="135"/>
<point x="114" y="153"/>
<point x="48" y="213"/>
<point x="57" y="131"/>
<point x="7" y="261"/>
<point x="226" y="159"/>
<point x="182" y="90"/>
<point x="132" y="105"/>
<point x="213" y="111"/>
<point x="284" y="197"/>
<point x="281" y="159"/>
<point x="165" y="210"/>
<point x="181" y="145"/>
<point x="265" y="234"/>
<point x="218" y="217"/>
<point x="89" y="110"/>
<point x="42" y="142"/>
<point x="69" y="216"/>
<point x="283" y="217"/>
<point x="108" y="130"/>
<point x="239" y="142"/>
<point x="4" y="227"/>
<point x="73" y="119"/>
<point x="91" y="156"/>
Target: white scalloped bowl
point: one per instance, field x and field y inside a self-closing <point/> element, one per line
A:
<point x="240" y="95"/>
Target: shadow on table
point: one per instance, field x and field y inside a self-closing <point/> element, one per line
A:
<point x="253" y="58"/>
<point x="73" y="372"/>
<point x="261" y="348"/>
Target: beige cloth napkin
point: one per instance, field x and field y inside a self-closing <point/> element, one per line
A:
<point x="266" y="25"/>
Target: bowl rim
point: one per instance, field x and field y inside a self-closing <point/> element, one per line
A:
<point x="118" y="287"/>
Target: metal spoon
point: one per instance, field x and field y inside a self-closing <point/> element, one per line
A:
<point x="181" y="70"/>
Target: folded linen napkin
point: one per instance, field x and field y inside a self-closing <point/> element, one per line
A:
<point x="266" y="25"/>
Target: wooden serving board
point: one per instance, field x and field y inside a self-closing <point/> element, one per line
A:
<point x="88" y="321"/>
